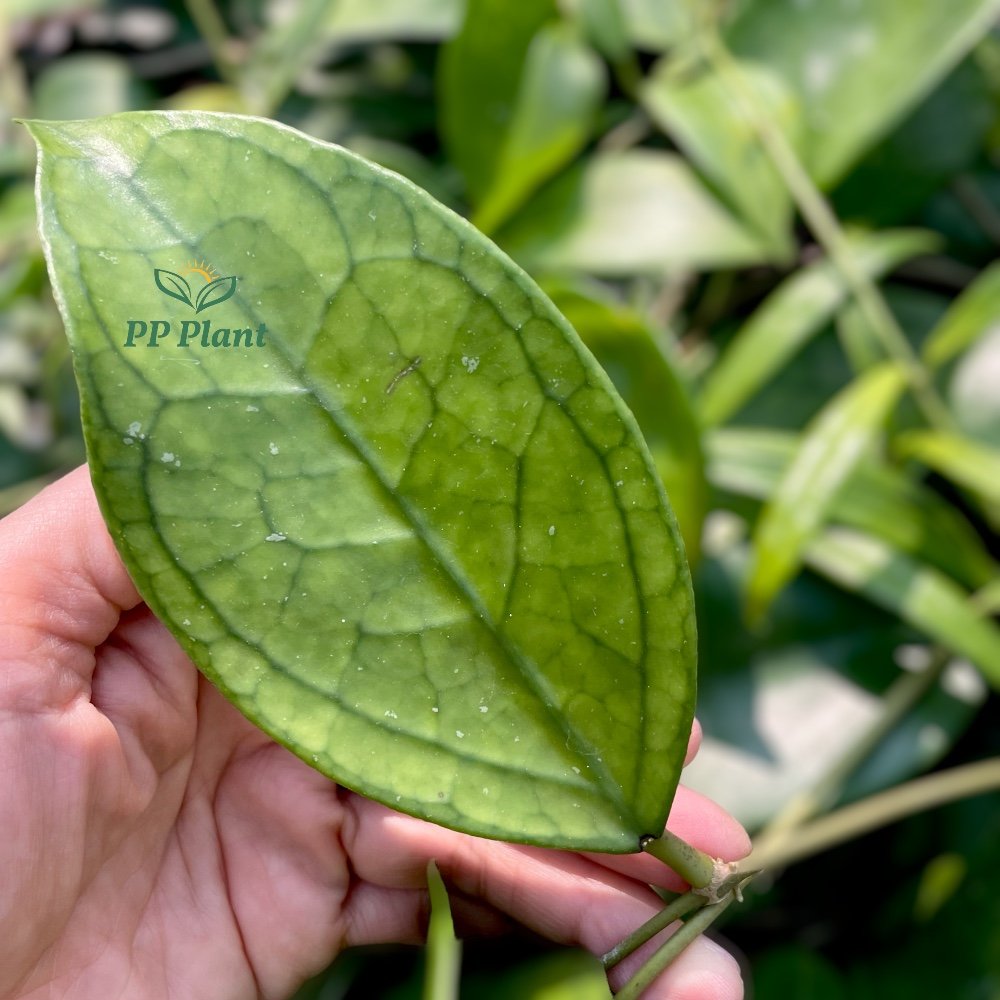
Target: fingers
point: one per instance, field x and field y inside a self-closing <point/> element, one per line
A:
<point x="563" y="896"/>
<point x="694" y="743"/>
<point x="62" y="585"/>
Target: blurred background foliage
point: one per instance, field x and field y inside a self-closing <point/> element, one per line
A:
<point x="775" y="222"/>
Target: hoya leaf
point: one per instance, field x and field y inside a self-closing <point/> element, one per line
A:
<point x="828" y="452"/>
<point x="627" y="350"/>
<point x="974" y="312"/>
<point x="382" y="495"/>
<point x="698" y="111"/>
<point x="861" y="66"/>
<point x="626" y="212"/>
<point x="215" y="292"/>
<point x="173" y="284"/>
<point x="560" y="94"/>
<point x="480" y="76"/>
<point x="921" y="596"/>
<point x="877" y="499"/>
<point x="971" y="464"/>
<point x="794" y="313"/>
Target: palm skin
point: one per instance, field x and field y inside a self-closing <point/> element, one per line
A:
<point x="159" y="847"/>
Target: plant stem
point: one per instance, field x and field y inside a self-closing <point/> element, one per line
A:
<point x="878" y="810"/>
<point x="213" y="31"/>
<point x="825" y="226"/>
<point x="680" y="907"/>
<point x="694" y="866"/>
<point x="905" y="692"/>
<point x="671" y="948"/>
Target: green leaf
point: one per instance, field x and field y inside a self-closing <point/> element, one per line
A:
<point x="411" y="531"/>
<point x="628" y="352"/>
<point x="856" y="69"/>
<point x="699" y="113"/>
<point x="603" y="22"/>
<point x="561" y="90"/>
<point x="877" y="499"/>
<point x="795" y="312"/>
<point x="976" y="310"/>
<point x="918" y="594"/>
<point x="480" y="73"/>
<point x="972" y="389"/>
<point x="639" y="211"/>
<point x="829" y="450"/>
<point x="86" y="86"/>
<point x="444" y="952"/>
<point x="172" y="284"/>
<point x="966" y="463"/>
<point x="358" y="21"/>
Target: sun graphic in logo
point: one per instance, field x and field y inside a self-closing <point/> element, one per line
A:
<point x="215" y="290"/>
<point x="203" y="268"/>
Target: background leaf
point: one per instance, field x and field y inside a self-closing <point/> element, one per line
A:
<point x="796" y="311"/>
<point x="480" y="75"/>
<point x="639" y="211"/>
<point x="844" y="64"/>
<point x="829" y="449"/>
<point x="918" y="594"/>
<point x="454" y="586"/>
<point x="561" y="89"/>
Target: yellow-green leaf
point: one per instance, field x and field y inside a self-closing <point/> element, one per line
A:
<point x="829" y="450"/>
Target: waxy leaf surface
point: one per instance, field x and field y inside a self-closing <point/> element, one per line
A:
<point x="402" y="520"/>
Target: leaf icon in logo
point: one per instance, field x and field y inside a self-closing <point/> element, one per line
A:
<point x="215" y="292"/>
<point x="173" y="285"/>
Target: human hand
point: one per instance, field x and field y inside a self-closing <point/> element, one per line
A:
<point x="157" y="845"/>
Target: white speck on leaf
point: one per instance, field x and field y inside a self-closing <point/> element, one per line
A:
<point x="275" y="537"/>
<point x="552" y="529"/>
<point x="252" y="409"/>
<point x="460" y="734"/>
<point x="471" y="363"/>
<point x="484" y="709"/>
<point x="272" y="448"/>
<point x="435" y="709"/>
<point x="167" y="456"/>
<point x="135" y="430"/>
<point x="390" y="714"/>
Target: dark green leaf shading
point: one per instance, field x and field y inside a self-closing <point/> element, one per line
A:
<point x="215" y="292"/>
<point x="416" y="536"/>
<point x="174" y="285"/>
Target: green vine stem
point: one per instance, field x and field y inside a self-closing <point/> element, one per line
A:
<point x="828" y="232"/>
<point x="903" y="694"/>
<point x="679" y="908"/>
<point x="214" y="33"/>
<point x="672" y="947"/>
<point x="878" y="810"/>
<point x="694" y="866"/>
